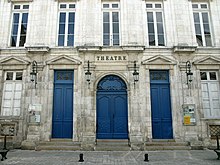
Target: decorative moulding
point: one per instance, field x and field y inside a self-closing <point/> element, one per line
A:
<point x="159" y="60"/>
<point x="184" y="48"/>
<point x="20" y="1"/>
<point x="66" y="0"/>
<point x="63" y="60"/>
<point x="37" y="48"/>
<point x="209" y="60"/>
<point x="12" y="60"/>
<point x="110" y="49"/>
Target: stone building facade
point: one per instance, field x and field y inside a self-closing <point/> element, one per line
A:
<point x="164" y="41"/>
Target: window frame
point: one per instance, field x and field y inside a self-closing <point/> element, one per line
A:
<point x="67" y="11"/>
<point x="19" y="11"/>
<point x="111" y="10"/>
<point x="155" y="10"/>
<point x="208" y="81"/>
<point x="201" y="11"/>
<point x="12" y="100"/>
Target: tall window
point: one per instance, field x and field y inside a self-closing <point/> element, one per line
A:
<point x="155" y="24"/>
<point x="11" y="100"/>
<point x="19" y="25"/>
<point x="66" y="24"/>
<point x="111" y="29"/>
<point x="210" y="94"/>
<point x="201" y="23"/>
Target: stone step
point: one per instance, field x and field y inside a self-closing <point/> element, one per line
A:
<point x="61" y="148"/>
<point x="155" y="148"/>
<point x="114" y="142"/>
<point x="112" y="145"/>
<point x="58" y="144"/>
<point x="166" y="145"/>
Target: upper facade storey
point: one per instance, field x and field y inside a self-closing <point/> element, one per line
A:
<point x="109" y="23"/>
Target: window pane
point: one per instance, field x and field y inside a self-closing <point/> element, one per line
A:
<point x="212" y="75"/>
<point x="18" y="76"/>
<point x="61" y="40"/>
<point x="105" y="5"/>
<point x="151" y="40"/>
<point x="160" y="28"/>
<point x="115" y="39"/>
<point x="71" y="17"/>
<point x="71" y="29"/>
<point x="62" y="6"/>
<point x="114" y="5"/>
<point x="149" y="6"/>
<point x="150" y="17"/>
<point x="195" y="6"/>
<point x="150" y="28"/>
<point x="25" y="18"/>
<point x="70" y="41"/>
<point x="198" y="29"/>
<point x="22" y="40"/>
<point x="115" y="27"/>
<point x="205" y="18"/>
<point x="196" y="17"/>
<point x="16" y="18"/>
<point x="208" y="40"/>
<point x="72" y="6"/>
<point x="26" y="7"/>
<point x="199" y="40"/>
<point x="206" y="29"/>
<point x="13" y="40"/>
<point x="115" y="17"/>
<point x="9" y="76"/>
<point x="106" y="39"/>
<point x="159" y="17"/>
<point x="204" y="6"/>
<point x="17" y="7"/>
<point x="106" y="17"/>
<point x="203" y="75"/>
<point x="157" y="5"/>
<point x="106" y="28"/>
<point x="62" y="17"/>
<point x="161" y="40"/>
<point x="62" y="29"/>
<point x="15" y="30"/>
<point x="23" y="29"/>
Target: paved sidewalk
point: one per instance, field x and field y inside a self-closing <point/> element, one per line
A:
<point x="192" y="157"/>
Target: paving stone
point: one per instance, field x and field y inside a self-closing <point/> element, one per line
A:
<point x="172" y="157"/>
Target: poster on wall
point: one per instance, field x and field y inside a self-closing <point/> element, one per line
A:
<point x="189" y="114"/>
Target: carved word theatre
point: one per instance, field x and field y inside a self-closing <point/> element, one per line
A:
<point x="111" y="58"/>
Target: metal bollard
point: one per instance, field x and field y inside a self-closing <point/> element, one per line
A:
<point x="146" y="158"/>
<point x="81" y="158"/>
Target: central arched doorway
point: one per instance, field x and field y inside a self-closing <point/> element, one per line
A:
<point x="112" y="108"/>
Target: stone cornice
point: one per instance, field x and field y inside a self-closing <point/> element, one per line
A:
<point x="110" y="49"/>
<point x="20" y="1"/>
<point x="37" y="48"/>
<point x="183" y="48"/>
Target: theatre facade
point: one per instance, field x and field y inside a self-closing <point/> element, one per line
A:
<point x="88" y="70"/>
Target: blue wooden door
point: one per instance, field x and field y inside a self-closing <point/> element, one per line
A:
<point x="112" y="113"/>
<point x="62" y="123"/>
<point x="161" y="105"/>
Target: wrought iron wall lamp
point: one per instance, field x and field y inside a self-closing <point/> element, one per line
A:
<point x="135" y="73"/>
<point x="189" y="74"/>
<point x="88" y="74"/>
<point x="33" y="73"/>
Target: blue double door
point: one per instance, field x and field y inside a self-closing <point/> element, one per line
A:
<point x="112" y="111"/>
<point x="62" y="121"/>
<point x="161" y="105"/>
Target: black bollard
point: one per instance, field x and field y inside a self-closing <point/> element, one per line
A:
<point x="81" y="158"/>
<point x="146" y="158"/>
